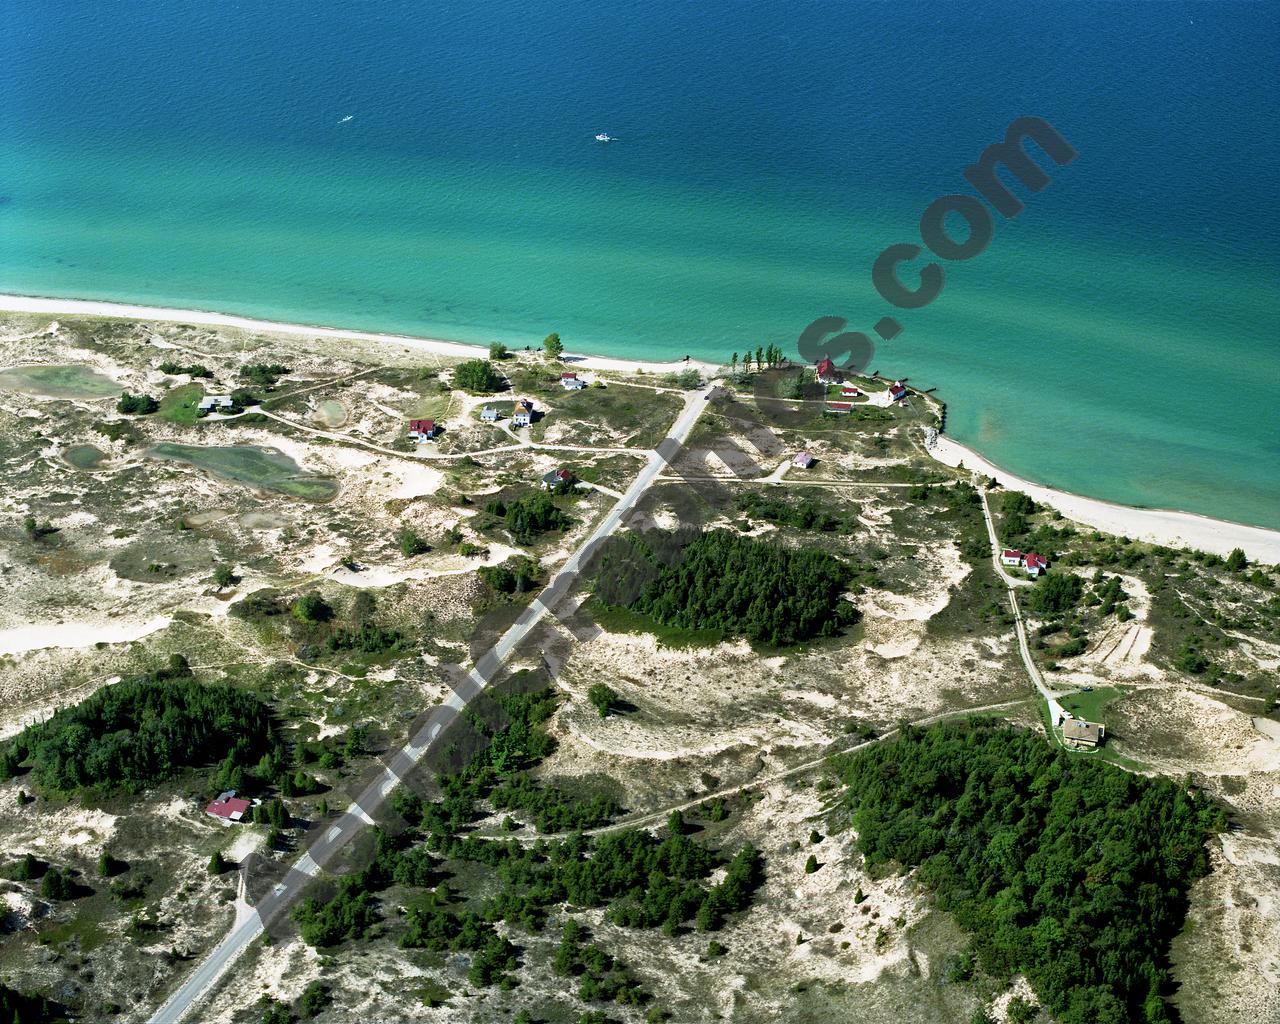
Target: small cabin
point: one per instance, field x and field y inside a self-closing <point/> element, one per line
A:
<point x="803" y="460"/>
<point x="556" y="478"/>
<point x="850" y="391"/>
<point x="228" y="807"/>
<point x="1076" y="732"/>
<point x="1009" y="556"/>
<point x="489" y="414"/>
<point x="840" y="408"/>
<point x="210" y="402"/>
<point x="422" y="430"/>
<point x="570" y="382"/>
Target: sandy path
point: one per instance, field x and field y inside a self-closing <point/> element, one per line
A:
<point x="658" y="817"/>
<point x="1159" y="526"/>
<point x="430" y="454"/>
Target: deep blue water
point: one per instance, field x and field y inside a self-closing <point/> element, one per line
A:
<point x="1117" y="339"/>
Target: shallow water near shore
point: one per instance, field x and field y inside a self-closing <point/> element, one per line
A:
<point x="1115" y="340"/>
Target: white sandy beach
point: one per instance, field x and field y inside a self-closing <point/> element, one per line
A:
<point x="1159" y="526"/>
<point x="1176" y="529"/>
<point x="456" y="349"/>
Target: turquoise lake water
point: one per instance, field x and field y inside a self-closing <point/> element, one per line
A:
<point x="1118" y="339"/>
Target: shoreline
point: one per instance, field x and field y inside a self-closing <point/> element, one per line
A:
<point x="41" y="305"/>
<point x="1169" y="527"/>
<point x="1161" y="526"/>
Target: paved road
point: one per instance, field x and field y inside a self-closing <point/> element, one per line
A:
<point x="359" y="814"/>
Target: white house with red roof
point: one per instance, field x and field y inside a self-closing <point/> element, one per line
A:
<point x="422" y="430"/>
<point x="843" y="408"/>
<point x="827" y="372"/>
<point x="1010" y="556"/>
<point x="850" y="391"/>
<point x="228" y="807"/>
<point x="897" y="391"/>
<point x="570" y="382"/>
<point x="1036" y="564"/>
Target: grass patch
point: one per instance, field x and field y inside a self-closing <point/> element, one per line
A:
<point x="623" y="620"/>
<point x="180" y="405"/>
<point x="1090" y="705"/>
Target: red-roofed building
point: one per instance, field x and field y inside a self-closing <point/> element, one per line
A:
<point x="570" y="382"/>
<point x="850" y="391"/>
<point x="228" y="807"/>
<point x="1011" y="557"/>
<point x="1036" y="564"/>
<point x="555" y="478"/>
<point x="897" y="391"/>
<point x="422" y="430"/>
<point x="827" y="372"/>
<point x="840" y="407"/>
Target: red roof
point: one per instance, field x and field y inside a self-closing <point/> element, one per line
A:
<point x="1035" y="561"/>
<point x="1010" y="553"/>
<point x="568" y="376"/>
<point x="422" y="426"/>
<point x="839" y="405"/>
<point x="826" y="366"/>
<point x="230" y="807"/>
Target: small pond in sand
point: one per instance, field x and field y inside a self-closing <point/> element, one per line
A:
<point x="58" y="382"/>
<point x="258" y="467"/>
<point x="331" y="413"/>
<point x="84" y="456"/>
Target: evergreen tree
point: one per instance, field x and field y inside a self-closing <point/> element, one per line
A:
<point x="602" y="698"/>
<point x="55" y="885"/>
<point x="476" y="376"/>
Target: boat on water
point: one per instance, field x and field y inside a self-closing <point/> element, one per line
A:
<point x="604" y="137"/>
